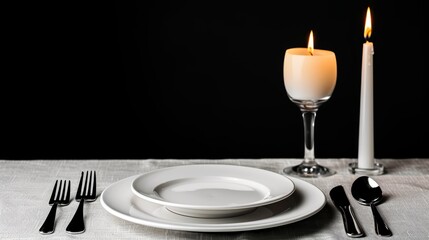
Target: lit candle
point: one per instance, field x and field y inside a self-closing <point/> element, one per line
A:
<point x="366" y="120"/>
<point x="309" y="74"/>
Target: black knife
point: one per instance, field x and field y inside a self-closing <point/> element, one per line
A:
<point x="342" y="203"/>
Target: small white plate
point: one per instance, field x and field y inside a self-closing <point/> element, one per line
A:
<point x="119" y="200"/>
<point x="212" y="190"/>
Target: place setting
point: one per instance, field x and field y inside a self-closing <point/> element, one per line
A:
<point x="210" y="120"/>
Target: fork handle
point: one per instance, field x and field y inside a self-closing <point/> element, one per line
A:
<point x="49" y="224"/>
<point x="77" y="224"/>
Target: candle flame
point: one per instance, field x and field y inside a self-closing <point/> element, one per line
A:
<point x="368" y="25"/>
<point x="310" y="47"/>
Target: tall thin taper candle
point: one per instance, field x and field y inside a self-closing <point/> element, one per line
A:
<point x="366" y="120"/>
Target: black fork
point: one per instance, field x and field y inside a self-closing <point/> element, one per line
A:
<point x="77" y="224"/>
<point x="61" y="198"/>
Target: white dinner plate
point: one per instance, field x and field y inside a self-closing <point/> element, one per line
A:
<point x="119" y="200"/>
<point x="212" y="190"/>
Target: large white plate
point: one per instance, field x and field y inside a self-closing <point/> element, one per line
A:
<point x="119" y="200"/>
<point x="212" y="190"/>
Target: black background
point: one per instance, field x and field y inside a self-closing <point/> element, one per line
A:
<point x="203" y="79"/>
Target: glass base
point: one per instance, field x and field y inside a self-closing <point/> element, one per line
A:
<point x="309" y="171"/>
<point x="377" y="170"/>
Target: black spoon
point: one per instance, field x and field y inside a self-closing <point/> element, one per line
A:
<point x="367" y="192"/>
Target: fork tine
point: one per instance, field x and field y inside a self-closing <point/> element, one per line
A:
<point x="84" y="186"/>
<point x="57" y="198"/>
<point x="67" y="200"/>
<point x="94" y="187"/>
<point x="79" y="188"/>
<point x="63" y="193"/>
<point x="89" y="185"/>
<point x="51" y="200"/>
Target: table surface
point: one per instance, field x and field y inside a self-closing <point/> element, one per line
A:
<point x="26" y="186"/>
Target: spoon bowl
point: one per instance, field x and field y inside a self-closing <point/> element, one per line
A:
<point x="367" y="192"/>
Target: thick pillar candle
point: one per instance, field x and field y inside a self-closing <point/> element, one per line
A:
<point x="366" y="119"/>
<point x="309" y="77"/>
<point x="309" y="74"/>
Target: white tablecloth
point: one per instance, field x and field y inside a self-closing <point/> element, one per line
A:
<point x="26" y="187"/>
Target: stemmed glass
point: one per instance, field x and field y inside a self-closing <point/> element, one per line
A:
<point x="309" y="77"/>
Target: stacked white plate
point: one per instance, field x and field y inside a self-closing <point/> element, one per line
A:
<point x="212" y="198"/>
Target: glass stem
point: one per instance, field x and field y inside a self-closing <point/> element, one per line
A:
<point x="309" y="116"/>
